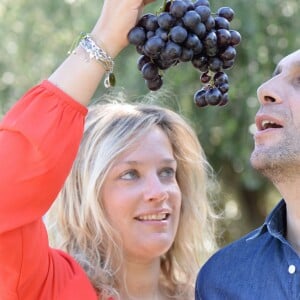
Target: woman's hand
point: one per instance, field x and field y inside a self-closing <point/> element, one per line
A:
<point x="116" y="19"/>
<point x="80" y="79"/>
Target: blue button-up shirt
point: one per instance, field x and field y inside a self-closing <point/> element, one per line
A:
<point x="260" y="266"/>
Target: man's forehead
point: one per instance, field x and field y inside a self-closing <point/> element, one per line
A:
<point x="290" y="61"/>
<point x="293" y="58"/>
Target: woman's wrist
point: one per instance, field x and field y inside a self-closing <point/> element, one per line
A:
<point x="109" y="37"/>
<point x="97" y="52"/>
<point x="109" y="45"/>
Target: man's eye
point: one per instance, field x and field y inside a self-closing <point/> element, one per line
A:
<point x="129" y="175"/>
<point x="297" y="80"/>
<point x="167" y="172"/>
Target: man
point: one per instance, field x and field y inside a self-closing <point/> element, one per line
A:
<point x="265" y="264"/>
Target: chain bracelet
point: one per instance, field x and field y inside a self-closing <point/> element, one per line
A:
<point x="97" y="53"/>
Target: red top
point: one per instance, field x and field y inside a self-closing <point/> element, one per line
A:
<point x="39" y="139"/>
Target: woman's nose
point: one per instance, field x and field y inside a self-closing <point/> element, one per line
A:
<point x="268" y="92"/>
<point x="155" y="190"/>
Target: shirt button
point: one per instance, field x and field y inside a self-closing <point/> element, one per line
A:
<point x="292" y="269"/>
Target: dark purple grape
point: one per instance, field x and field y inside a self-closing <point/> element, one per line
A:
<point x="219" y="78"/>
<point x="143" y="59"/>
<point x="210" y="23"/>
<point x="150" y="34"/>
<point x="200" y="63"/>
<point x="213" y="96"/>
<point x="171" y="51"/>
<point x="140" y="49"/>
<point x="150" y="71"/>
<point x="190" y="4"/>
<point x="221" y="22"/>
<point x="235" y="37"/>
<point x="199" y="98"/>
<point x="201" y="3"/>
<point x="211" y="44"/>
<point x="226" y="12"/>
<point x="200" y="30"/>
<point x="179" y="22"/>
<point x="164" y="64"/>
<point x="137" y="36"/>
<point x="186" y="54"/>
<point x="166" y="21"/>
<point x="198" y="49"/>
<point x="215" y="64"/>
<point x="162" y="33"/>
<point x="205" y="77"/>
<point x="224" y="100"/>
<point x="178" y="34"/>
<point x="192" y="41"/>
<point x="148" y="22"/>
<point x="211" y="39"/>
<point x="229" y="53"/>
<point x="155" y="84"/>
<point x="223" y="37"/>
<point x="154" y="45"/>
<point x="211" y="51"/>
<point x="178" y="8"/>
<point x="191" y="19"/>
<point x="228" y="64"/>
<point x="223" y="88"/>
<point x="203" y="11"/>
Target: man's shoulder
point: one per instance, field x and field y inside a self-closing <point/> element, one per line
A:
<point x="229" y="266"/>
<point x="237" y="252"/>
<point x="238" y="270"/>
<point x="246" y="241"/>
<point x="252" y="243"/>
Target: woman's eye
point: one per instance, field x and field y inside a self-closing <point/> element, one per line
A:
<point x="167" y="172"/>
<point x="129" y="175"/>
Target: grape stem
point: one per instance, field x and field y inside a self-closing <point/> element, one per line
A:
<point x="211" y="82"/>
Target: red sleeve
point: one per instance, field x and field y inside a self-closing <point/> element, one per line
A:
<point x="39" y="139"/>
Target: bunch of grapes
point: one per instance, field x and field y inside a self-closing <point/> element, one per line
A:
<point x="187" y="31"/>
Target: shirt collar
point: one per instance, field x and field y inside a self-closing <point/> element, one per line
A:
<point x="275" y="223"/>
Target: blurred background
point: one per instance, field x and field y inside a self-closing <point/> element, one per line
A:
<point x="37" y="34"/>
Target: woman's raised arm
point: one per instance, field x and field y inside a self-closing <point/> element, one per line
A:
<point x="80" y="78"/>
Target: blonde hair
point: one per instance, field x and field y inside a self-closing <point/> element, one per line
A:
<point x="79" y="223"/>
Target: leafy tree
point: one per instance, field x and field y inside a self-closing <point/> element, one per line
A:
<point x="35" y="38"/>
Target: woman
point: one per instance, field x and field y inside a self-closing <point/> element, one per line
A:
<point x="131" y="219"/>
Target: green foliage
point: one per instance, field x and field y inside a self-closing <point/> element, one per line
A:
<point x="36" y="35"/>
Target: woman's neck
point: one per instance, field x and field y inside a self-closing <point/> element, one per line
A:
<point x="141" y="281"/>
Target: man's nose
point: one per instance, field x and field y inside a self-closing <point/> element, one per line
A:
<point x="269" y="91"/>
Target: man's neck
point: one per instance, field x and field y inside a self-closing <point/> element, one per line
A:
<point x="291" y="195"/>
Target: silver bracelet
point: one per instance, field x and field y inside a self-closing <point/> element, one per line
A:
<point x="97" y="53"/>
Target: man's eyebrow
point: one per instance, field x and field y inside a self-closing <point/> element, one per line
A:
<point x="295" y="66"/>
<point x="277" y="71"/>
